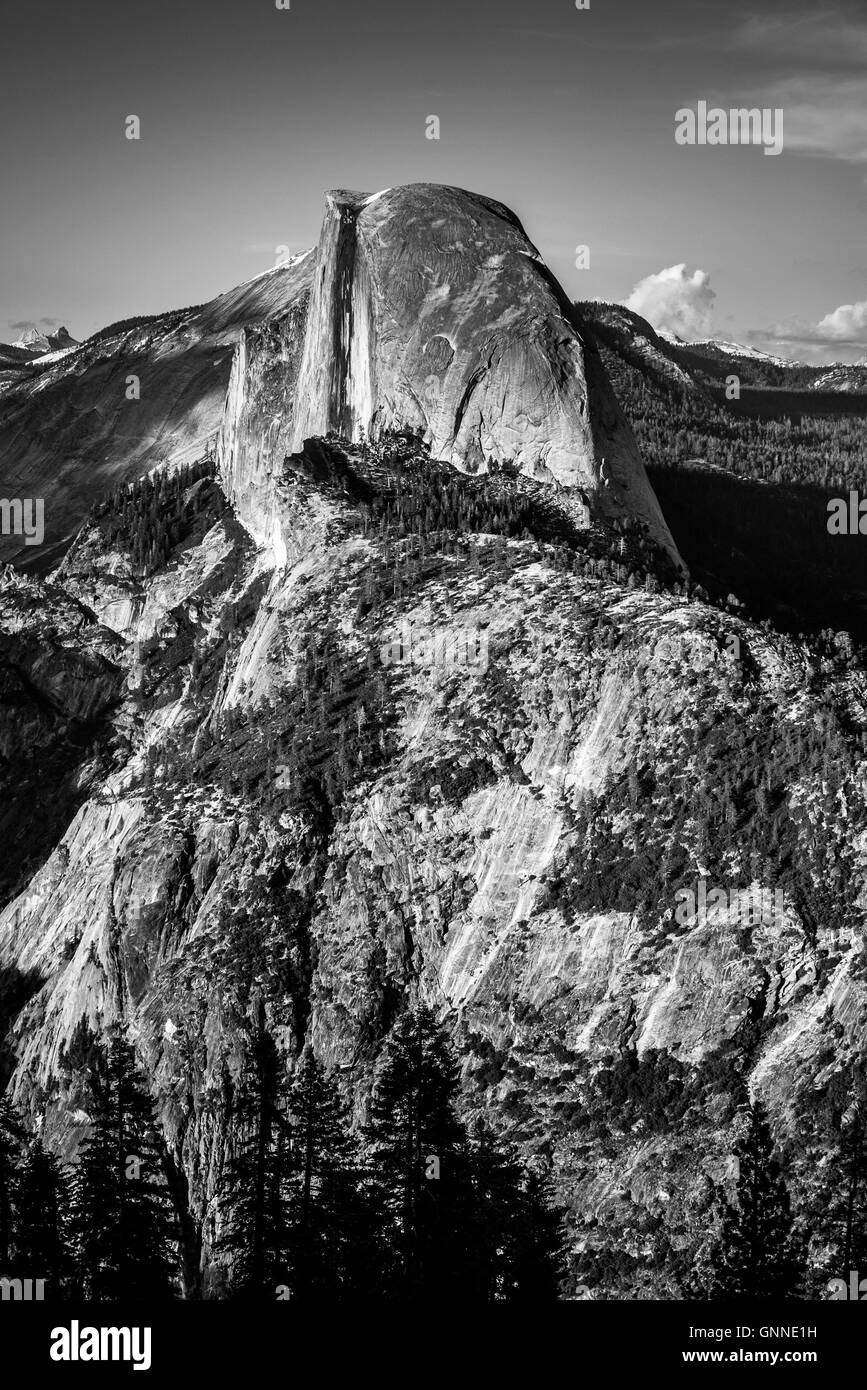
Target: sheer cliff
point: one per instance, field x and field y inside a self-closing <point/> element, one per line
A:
<point x="431" y="310"/>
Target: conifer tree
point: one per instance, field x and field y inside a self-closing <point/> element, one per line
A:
<point x="256" y="1234"/>
<point x="515" y="1238"/>
<point x="331" y="1228"/>
<point x="757" y="1255"/>
<point x="11" y="1136"/>
<point x="121" y="1214"/>
<point x="536" y="1242"/>
<point x="459" y="1216"/>
<point x="416" y="1152"/>
<point x="833" y="1188"/>
<point x="43" y="1224"/>
<point x="854" y="1232"/>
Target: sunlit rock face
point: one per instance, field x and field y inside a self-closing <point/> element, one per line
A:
<point x="258" y="422"/>
<point x="454" y="860"/>
<point x="431" y="310"/>
<point x="423" y="308"/>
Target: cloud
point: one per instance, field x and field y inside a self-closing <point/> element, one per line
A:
<point x="846" y="324"/>
<point x="675" y="300"/>
<point x="22" y="325"/>
<point x="49" y="323"/>
<point x="843" y="331"/>
<point x="817" y="38"/>
<point x="824" y="115"/>
<point x="813" y="60"/>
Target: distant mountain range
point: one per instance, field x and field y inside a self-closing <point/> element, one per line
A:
<point x="34" y="346"/>
<point x="71" y="427"/>
<point x="40" y="343"/>
<point x="708" y="361"/>
<point x="720" y="347"/>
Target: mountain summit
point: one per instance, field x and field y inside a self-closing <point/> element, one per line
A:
<point x="431" y="310"/>
<point x="425" y="308"/>
<point x="37" y="342"/>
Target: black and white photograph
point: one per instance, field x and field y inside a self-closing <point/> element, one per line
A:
<point x="433" y="679"/>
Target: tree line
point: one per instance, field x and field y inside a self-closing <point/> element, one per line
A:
<point x="412" y="1204"/>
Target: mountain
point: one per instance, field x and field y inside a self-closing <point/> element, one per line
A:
<point x="718" y="347"/>
<point x="16" y="358"/>
<point x="705" y="363"/>
<point x="700" y="365"/>
<point x="40" y="343"/>
<point x="722" y="348"/>
<point x="255" y="794"/>
<point x="72" y="428"/>
<point x="432" y="311"/>
<point x="416" y="706"/>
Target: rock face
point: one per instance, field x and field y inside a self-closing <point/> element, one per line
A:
<point x="424" y="308"/>
<point x="431" y="310"/>
<point x="208" y="690"/>
<point x="504" y="839"/>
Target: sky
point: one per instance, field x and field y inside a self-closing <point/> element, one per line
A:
<point x="249" y="113"/>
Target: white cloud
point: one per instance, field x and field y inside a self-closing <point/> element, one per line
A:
<point x="839" y="336"/>
<point x="846" y="324"/>
<point x="675" y="300"/>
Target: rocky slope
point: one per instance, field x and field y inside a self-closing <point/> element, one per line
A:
<point x="842" y="378"/>
<point x="269" y="801"/>
<point x="339" y="724"/>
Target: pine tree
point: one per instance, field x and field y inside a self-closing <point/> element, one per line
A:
<point x="416" y="1152"/>
<point x="11" y="1137"/>
<point x="256" y="1234"/>
<point x="43" y="1228"/>
<point x="331" y="1223"/>
<point x="123" y="1231"/>
<point x="536" y="1243"/>
<point x="757" y="1255"/>
<point x="833" y="1188"/>
<point x="515" y="1236"/>
<point x="854" y="1217"/>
